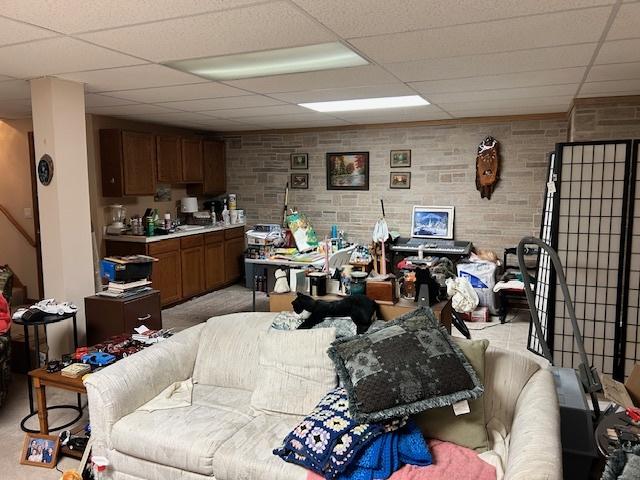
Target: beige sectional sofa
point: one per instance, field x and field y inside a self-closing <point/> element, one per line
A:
<point x="221" y="436"/>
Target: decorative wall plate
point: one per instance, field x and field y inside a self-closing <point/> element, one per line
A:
<point x="45" y="169"/>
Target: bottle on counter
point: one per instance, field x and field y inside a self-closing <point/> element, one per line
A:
<point x="232" y="201"/>
<point x="225" y="214"/>
<point x="167" y="221"/>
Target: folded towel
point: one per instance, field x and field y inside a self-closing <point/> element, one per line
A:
<point x="176" y="395"/>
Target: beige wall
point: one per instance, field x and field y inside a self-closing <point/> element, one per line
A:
<point x="100" y="214"/>
<point x="15" y="195"/>
<point x="443" y="173"/>
<point x="607" y="118"/>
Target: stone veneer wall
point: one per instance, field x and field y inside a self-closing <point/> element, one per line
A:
<point x="443" y="173"/>
<point x="609" y="118"/>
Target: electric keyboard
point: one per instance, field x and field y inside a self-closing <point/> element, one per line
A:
<point x="434" y="246"/>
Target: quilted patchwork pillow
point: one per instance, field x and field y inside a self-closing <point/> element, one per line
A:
<point x="409" y="366"/>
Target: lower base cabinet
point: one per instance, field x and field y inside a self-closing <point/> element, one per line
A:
<point x="190" y="265"/>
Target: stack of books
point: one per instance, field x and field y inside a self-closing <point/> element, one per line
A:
<point x="75" y="370"/>
<point x="126" y="290"/>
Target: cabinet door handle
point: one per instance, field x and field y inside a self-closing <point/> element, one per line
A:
<point x="146" y="317"/>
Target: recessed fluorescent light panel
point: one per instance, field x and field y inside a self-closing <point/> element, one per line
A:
<point x="323" y="56"/>
<point x="366" y="104"/>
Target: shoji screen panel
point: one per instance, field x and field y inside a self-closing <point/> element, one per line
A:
<point x="632" y="259"/>
<point x="545" y="286"/>
<point x="590" y="238"/>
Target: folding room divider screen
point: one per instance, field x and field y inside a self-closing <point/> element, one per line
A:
<point x="588" y="220"/>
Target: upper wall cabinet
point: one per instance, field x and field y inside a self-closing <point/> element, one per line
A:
<point x="191" y="160"/>
<point x="128" y="162"/>
<point x="169" y="158"/>
<point x="214" y="174"/>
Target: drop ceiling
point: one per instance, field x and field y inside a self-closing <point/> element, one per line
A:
<point x="468" y="58"/>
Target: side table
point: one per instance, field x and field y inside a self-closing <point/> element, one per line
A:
<point x="46" y="320"/>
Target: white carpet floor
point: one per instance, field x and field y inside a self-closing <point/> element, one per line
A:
<point x="511" y="335"/>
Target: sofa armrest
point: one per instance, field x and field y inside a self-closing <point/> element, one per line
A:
<point x="121" y="388"/>
<point x="535" y="450"/>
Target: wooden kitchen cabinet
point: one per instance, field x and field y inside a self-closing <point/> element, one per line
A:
<point x="128" y="162"/>
<point x="192" y="262"/>
<point x="214" y="260"/>
<point x="214" y="181"/>
<point x="191" y="160"/>
<point x="233" y="254"/>
<point x="169" y="158"/>
<point x="167" y="276"/>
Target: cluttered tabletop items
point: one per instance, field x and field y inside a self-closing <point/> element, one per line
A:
<point x="388" y="268"/>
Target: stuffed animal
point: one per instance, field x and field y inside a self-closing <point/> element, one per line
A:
<point x="281" y="286"/>
<point x="360" y="308"/>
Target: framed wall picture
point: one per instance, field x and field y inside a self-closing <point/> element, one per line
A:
<point x="400" y="180"/>
<point x="348" y="171"/>
<point x="400" y="158"/>
<point x="40" y="450"/>
<point x="299" y="161"/>
<point x="300" y="181"/>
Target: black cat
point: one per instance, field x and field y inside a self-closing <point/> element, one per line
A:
<point x="360" y="308"/>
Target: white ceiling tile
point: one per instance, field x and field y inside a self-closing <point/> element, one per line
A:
<point x="140" y="76"/>
<point x="493" y="64"/>
<point x="348" y="93"/>
<point x="626" y="23"/>
<point x="95" y="100"/>
<point x="15" y="90"/>
<point x="619" y="51"/>
<point x="81" y="16"/>
<point x="121" y="110"/>
<point x="239" y="113"/>
<point x="613" y="71"/>
<point x="522" y="110"/>
<point x="259" y="27"/>
<point x="620" y="87"/>
<point x="178" y="93"/>
<point x="509" y="80"/>
<point x="222" y="103"/>
<point x="283" y="124"/>
<point x="338" y="78"/>
<point x="57" y="55"/>
<point x="359" y="18"/>
<point x="298" y="117"/>
<point x="507" y="103"/>
<point x="555" y="29"/>
<point x="15" y="32"/>
<point x="508" y="93"/>
<point x="428" y="112"/>
<point x="172" y="117"/>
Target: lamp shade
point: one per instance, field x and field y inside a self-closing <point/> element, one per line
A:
<point x="189" y="205"/>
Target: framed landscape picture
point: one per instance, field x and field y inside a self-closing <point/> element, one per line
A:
<point x="400" y="158"/>
<point x="300" y="180"/>
<point x="348" y="171"/>
<point x="299" y="161"/>
<point x="400" y="180"/>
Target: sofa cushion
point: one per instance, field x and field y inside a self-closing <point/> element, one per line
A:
<point x="228" y="350"/>
<point x="406" y="367"/>
<point x="185" y="438"/>
<point x="467" y="430"/>
<point x="248" y="454"/>
<point x="294" y="371"/>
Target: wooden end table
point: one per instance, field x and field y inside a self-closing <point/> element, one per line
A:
<point x="41" y="379"/>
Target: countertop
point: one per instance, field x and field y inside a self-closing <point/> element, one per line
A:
<point x="159" y="238"/>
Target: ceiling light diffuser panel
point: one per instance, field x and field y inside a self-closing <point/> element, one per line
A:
<point x="366" y="104"/>
<point x="310" y="58"/>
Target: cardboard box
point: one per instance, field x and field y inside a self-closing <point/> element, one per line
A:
<point x="382" y="292"/>
<point x="627" y="394"/>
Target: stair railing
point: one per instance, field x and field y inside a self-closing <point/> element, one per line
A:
<point x="18" y="227"/>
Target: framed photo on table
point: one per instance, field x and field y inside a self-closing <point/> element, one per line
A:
<point x="400" y="158"/>
<point x="400" y="180"/>
<point x="300" y="181"/>
<point x="40" y="450"/>
<point x="348" y="171"/>
<point x="299" y="161"/>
